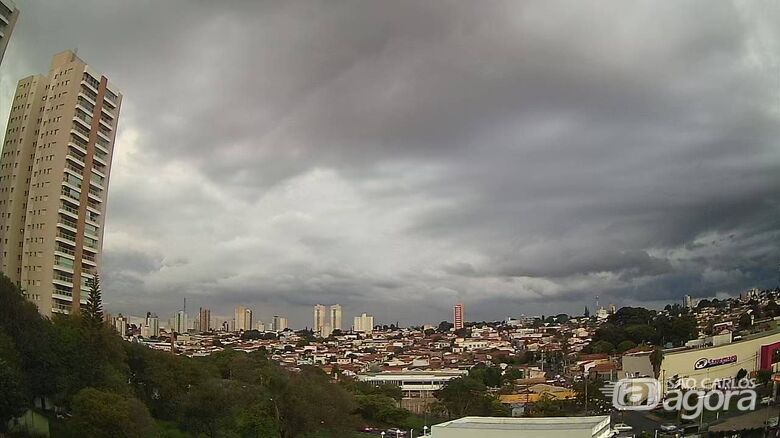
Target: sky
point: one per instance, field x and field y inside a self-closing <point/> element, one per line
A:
<point x="398" y="157"/>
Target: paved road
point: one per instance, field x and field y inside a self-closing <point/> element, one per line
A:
<point x="639" y="420"/>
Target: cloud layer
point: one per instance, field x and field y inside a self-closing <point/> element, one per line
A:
<point x="398" y="157"/>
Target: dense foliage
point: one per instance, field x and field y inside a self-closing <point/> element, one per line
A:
<point x="632" y="326"/>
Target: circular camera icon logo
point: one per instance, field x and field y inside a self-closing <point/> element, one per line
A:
<point x="642" y="394"/>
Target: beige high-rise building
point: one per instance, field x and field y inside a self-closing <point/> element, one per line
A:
<point x="335" y="317"/>
<point x="319" y="318"/>
<point x="54" y="172"/>
<point x="243" y="318"/>
<point x="363" y="323"/>
<point x="204" y="316"/>
<point x="8" y="15"/>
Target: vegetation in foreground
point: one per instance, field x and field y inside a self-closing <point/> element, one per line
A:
<point x="101" y="386"/>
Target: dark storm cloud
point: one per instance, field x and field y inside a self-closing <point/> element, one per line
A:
<point x="399" y="156"/>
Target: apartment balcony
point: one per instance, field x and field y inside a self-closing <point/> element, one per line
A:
<point x="98" y="172"/>
<point x="95" y="195"/>
<point x="68" y="197"/>
<point x="75" y="159"/>
<point x="81" y="107"/>
<point x="87" y="98"/>
<point x="65" y="252"/>
<point x="69" y="211"/>
<point x="104" y="135"/>
<point x="89" y="86"/>
<point x="106" y="124"/>
<point x="89" y="260"/>
<point x="80" y="133"/>
<point x="110" y="98"/>
<point x="97" y="184"/>
<point x="82" y="122"/>
<point x="108" y="111"/>
<point x="62" y="281"/>
<point x="101" y="160"/>
<point x="94" y="206"/>
<point x="65" y="238"/>
<point x="68" y="225"/>
<point x="64" y="269"/>
<point x="78" y="171"/>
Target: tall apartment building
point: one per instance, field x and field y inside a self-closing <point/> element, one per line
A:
<point x="8" y="15"/>
<point x="204" y="316"/>
<point x="279" y="323"/>
<point x="458" y="316"/>
<point x="319" y="318"/>
<point x="54" y="173"/>
<point x="363" y="323"/>
<point x="243" y="318"/>
<point x="335" y="317"/>
<point x="180" y="324"/>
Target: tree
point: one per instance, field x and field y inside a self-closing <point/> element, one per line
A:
<point x="605" y="347"/>
<point x="625" y="346"/>
<point x="445" y="326"/>
<point x="93" y="310"/>
<point x="468" y="396"/>
<point x="745" y="321"/>
<point x="103" y="414"/>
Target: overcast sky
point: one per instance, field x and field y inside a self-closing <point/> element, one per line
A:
<point x="398" y="157"/>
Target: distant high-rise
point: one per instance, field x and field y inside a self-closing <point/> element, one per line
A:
<point x="8" y="15"/>
<point x="120" y="324"/>
<point x="180" y="322"/>
<point x="204" y="316"/>
<point x="335" y="317"/>
<point x="54" y="173"/>
<point x="151" y="327"/>
<point x="688" y="302"/>
<point x="458" y="316"/>
<point x="320" y="314"/>
<point x="363" y="323"/>
<point x="243" y="319"/>
<point x="279" y="323"/>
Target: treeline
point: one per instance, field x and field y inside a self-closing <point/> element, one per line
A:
<point x="633" y="326"/>
<point x="102" y="386"/>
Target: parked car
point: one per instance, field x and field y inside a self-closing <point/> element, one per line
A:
<point x="622" y="427"/>
<point x="668" y="427"/>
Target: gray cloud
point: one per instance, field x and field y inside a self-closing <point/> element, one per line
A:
<point x="397" y="157"/>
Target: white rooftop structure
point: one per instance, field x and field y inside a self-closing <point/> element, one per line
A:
<point x="506" y="427"/>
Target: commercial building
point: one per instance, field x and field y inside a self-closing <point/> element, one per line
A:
<point x="504" y="427"/>
<point x="458" y="316"/>
<point x="700" y="365"/>
<point x="54" y="173"/>
<point x="335" y="317"/>
<point x="363" y="323"/>
<point x="413" y="382"/>
<point x="204" y="316"/>
<point x="8" y="15"/>
<point x="320" y="315"/>
<point x="243" y="319"/>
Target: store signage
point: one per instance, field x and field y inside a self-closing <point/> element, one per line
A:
<point x="709" y="363"/>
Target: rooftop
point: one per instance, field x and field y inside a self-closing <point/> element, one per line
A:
<point x="508" y="423"/>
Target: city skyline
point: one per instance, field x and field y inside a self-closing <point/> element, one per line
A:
<point x="401" y="175"/>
